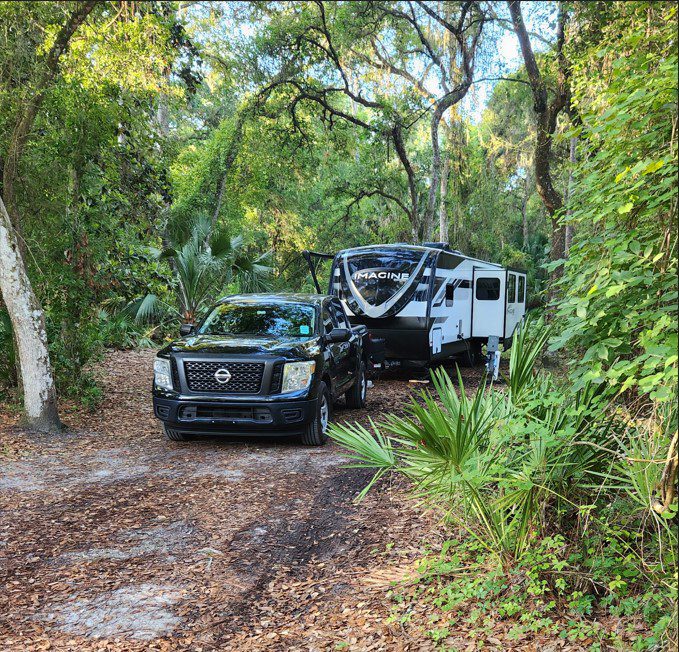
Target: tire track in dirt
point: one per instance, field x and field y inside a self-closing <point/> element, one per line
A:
<point x="289" y="547"/>
<point x="110" y="528"/>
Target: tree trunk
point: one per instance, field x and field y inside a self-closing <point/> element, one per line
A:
<point x="28" y="322"/>
<point x="443" y="207"/>
<point x="230" y="155"/>
<point x="668" y="480"/>
<point x="524" y="210"/>
<point x="549" y="195"/>
<point x="435" y="173"/>
<point x="547" y="114"/>
<point x="36" y="381"/>
<point x="399" y="146"/>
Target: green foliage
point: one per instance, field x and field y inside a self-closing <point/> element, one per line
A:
<point x="529" y="343"/>
<point x="7" y="358"/>
<point x="205" y="261"/>
<point x="504" y="457"/>
<point x="517" y="469"/>
<point x="92" y="181"/>
<point x="120" y="331"/>
<point x="618" y="315"/>
<point x="557" y="589"/>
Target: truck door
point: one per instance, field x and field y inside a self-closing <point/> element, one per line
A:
<point x="488" y="302"/>
<point x="342" y="367"/>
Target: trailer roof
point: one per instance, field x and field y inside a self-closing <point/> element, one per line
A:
<point x="276" y="297"/>
<point x="403" y="245"/>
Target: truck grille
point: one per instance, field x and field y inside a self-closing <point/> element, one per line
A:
<point x="224" y="413"/>
<point x="246" y="377"/>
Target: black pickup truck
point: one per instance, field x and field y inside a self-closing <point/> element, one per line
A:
<point x="262" y="364"/>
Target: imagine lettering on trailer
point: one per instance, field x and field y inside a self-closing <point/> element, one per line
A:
<point x="382" y="274"/>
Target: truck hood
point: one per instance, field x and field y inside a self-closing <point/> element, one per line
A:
<point x="233" y="344"/>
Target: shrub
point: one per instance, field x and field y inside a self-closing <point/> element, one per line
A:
<point x="523" y="469"/>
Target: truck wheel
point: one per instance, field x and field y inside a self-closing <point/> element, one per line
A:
<point x="174" y="435"/>
<point x="316" y="431"/>
<point x="356" y="395"/>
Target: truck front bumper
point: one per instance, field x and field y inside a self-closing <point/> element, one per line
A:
<point x="235" y="417"/>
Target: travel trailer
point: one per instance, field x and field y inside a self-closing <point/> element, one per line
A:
<point x="429" y="302"/>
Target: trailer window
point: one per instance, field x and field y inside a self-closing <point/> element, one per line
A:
<point x="522" y="289"/>
<point x="487" y="289"/>
<point x="511" y="288"/>
<point x="450" y="294"/>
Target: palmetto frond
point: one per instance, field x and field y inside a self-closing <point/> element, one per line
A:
<point x="205" y="260"/>
<point x="497" y="459"/>
<point x="529" y="341"/>
<point x="149" y="308"/>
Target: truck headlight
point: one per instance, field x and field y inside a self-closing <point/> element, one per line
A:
<point x="297" y="375"/>
<point x="162" y="374"/>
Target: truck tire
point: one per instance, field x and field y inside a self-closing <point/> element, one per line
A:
<point x="355" y="397"/>
<point x="174" y="435"/>
<point x="316" y="431"/>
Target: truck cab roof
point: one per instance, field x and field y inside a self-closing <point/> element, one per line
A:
<point x="277" y="297"/>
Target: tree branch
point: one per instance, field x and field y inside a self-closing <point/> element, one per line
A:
<point x="362" y="195"/>
<point x="384" y="63"/>
<point x="534" y="76"/>
<point x="399" y="146"/>
<point x="25" y="119"/>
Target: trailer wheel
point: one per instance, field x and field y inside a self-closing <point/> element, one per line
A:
<point x="472" y="356"/>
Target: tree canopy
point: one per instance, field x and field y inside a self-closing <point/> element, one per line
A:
<point x="322" y="125"/>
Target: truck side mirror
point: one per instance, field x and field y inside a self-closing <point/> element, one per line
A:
<point x="187" y="329"/>
<point x="338" y="335"/>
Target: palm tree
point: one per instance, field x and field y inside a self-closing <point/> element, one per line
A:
<point x="204" y="260"/>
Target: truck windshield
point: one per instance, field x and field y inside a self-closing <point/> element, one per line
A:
<point x="281" y="320"/>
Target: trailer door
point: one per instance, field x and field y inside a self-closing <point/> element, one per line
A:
<point x="488" y="302"/>
<point x="514" y="307"/>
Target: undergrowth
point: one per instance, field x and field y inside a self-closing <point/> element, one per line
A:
<point x="557" y="589"/>
<point x="566" y="500"/>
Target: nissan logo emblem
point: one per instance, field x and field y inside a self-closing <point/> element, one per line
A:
<point x="222" y="376"/>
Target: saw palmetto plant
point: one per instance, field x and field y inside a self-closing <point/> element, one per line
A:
<point x="499" y="463"/>
<point x="205" y="260"/>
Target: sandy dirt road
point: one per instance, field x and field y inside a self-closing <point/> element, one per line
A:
<point x="112" y="538"/>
